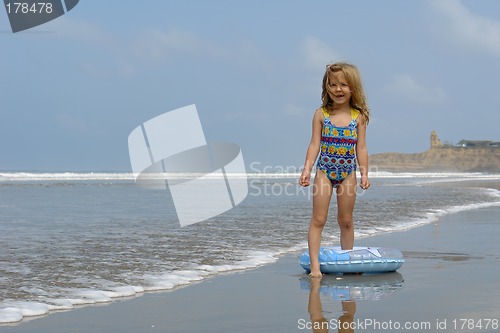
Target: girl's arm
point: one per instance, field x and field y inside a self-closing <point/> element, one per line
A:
<point x="362" y="153"/>
<point x="313" y="149"/>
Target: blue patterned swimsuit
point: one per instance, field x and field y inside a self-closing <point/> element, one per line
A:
<point x="337" y="157"/>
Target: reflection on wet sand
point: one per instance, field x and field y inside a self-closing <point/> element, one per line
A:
<point x="347" y="289"/>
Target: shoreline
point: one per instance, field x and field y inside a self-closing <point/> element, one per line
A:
<point x="450" y="273"/>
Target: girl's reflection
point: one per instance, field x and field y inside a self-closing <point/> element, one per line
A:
<point x="347" y="289"/>
<point x="319" y="322"/>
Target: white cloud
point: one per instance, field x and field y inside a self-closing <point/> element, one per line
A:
<point x="293" y="110"/>
<point x="163" y="44"/>
<point x="405" y="86"/>
<point x="317" y="53"/>
<point x="71" y="123"/>
<point x="81" y="31"/>
<point x="466" y="28"/>
<point x="127" y="56"/>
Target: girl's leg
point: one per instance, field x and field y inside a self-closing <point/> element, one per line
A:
<point x="346" y="197"/>
<point x="322" y="194"/>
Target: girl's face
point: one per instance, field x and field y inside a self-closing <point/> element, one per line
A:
<point x="338" y="89"/>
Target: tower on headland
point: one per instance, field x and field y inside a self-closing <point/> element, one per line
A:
<point x="466" y="156"/>
<point x="435" y="142"/>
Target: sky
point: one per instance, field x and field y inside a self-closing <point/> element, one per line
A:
<point x="74" y="88"/>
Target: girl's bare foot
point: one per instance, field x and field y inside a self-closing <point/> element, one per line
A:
<point x="315" y="274"/>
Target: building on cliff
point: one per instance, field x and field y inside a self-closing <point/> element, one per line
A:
<point x="466" y="156"/>
<point x="476" y="143"/>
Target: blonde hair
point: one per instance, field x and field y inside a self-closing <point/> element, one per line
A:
<point x="353" y="78"/>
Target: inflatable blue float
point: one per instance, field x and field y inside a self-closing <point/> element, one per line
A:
<point x="358" y="260"/>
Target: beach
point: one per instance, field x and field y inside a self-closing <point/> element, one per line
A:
<point x="449" y="283"/>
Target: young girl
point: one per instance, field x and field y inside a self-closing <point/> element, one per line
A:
<point x="339" y="136"/>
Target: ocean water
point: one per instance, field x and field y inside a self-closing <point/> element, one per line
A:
<point x="71" y="239"/>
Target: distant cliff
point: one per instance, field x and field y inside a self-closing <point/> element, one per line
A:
<point x="470" y="156"/>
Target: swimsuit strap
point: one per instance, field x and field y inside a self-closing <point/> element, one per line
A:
<point x="325" y="113"/>
<point x="354" y="113"/>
